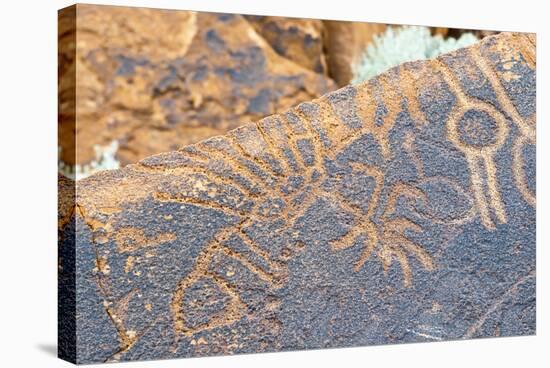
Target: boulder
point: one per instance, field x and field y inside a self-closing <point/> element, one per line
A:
<point x="399" y="210"/>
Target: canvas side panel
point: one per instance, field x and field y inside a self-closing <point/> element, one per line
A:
<point x="66" y="294"/>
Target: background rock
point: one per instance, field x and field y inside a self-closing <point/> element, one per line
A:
<point x="156" y="80"/>
<point x="151" y="80"/>
<point x="345" y="42"/>
<point x="297" y="39"/>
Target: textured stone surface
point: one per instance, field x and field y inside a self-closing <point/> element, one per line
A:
<point x="157" y="80"/>
<point x="297" y="39"/>
<point x="324" y="46"/>
<point x="399" y="210"/>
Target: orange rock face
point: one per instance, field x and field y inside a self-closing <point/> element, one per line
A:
<point x="152" y="80"/>
<point x="299" y="40"/>
<point x="324" y="46"/>
<point x="156" y="80"/>
<point x="344" y="44"/>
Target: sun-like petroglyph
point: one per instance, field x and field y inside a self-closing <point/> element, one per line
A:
<point x="479" y="131"/>
<point x="526" y="125"/>
<point x="370" y="182"/>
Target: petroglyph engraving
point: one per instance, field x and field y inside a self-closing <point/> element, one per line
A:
<point x="268" y="153"/>
<point x="526" y="126"/>
<point x="370" y="182"/>
<point x="479" y="131"/>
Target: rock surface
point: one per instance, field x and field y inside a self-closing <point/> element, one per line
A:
<point x="345" y="42"/>
<point x="297" y="39"/>
<point x="157" y="80"/>
<point x="399" y="210"/>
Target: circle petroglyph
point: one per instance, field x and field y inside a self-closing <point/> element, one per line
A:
<point x="477" y="129"/>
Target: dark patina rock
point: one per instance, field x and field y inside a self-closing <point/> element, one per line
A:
<point x="400" y="210"/>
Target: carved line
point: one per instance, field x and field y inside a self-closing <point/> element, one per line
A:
<point x="410" y="148"/>
<point x="340" y="131"/>
<point x="258" y="160"/>
<point x="413" y="248"/>
<point x="528" y="132"/>
<point x="393" y="105"/>
<point x="494" y="193"/>
<point x="393" y="96"/>
<point x="365" y="225"/>
<point x="228" y="158"/>
<point x="194" y="153"/>
<point x="379" y="85"/>
<point x="274" y="147"/>
<point x="371" y="243"/>
<point x="519" y="170"/>
<point x="398" y="189"/>
<point x="393" y="234"/>
<point x="265" y="276"/>
<point x="495" y="306"/>
<point x="167" y="197"/>
<point x="407" y="77"/>
<point x="502" y="97"/>
<point x="243" y="236"/>
<point x="315" y="139"/>
<point x="233" y="312"/>
<point x="477" y="186"/>
<point x="261" y="163"/>
<point x="221" y="181"/>
<point x="292" y="144"/>
<point x="467" y="217"/>
<point x="474" y="154"/>
<point x="312" y="131"/>
<point x="403" y="261"/>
